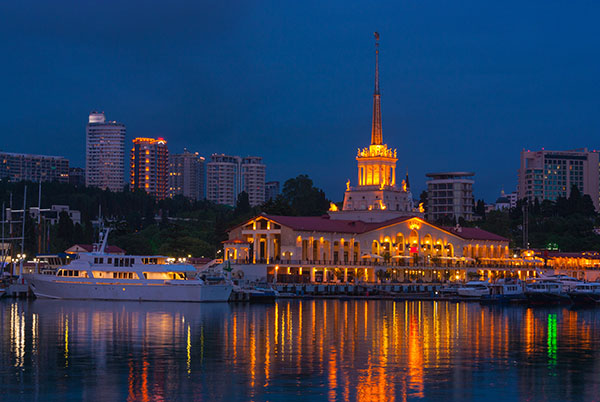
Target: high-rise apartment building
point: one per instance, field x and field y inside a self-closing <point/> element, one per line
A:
<point x="187" y="175"/>
<point x="19" y="167"/>
<point x="253" y="173"/>
<point x="105" y="153"/>
<point x="450" y="195"/>
<point x="271" y="190"/>
<point x="227" y="176"/>
<point x="547" y="175"/>
<point x="150" y="166"/>
<point x="222" y="179"/>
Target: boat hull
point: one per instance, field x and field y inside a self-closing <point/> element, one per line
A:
<point x="44" y="286"/>
<point x="474" y="293"/>
<point x="585" y="299"/>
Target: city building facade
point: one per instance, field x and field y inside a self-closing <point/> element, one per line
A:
<point x="548" y="175"/>
<point x="149" y="168"/>
<point x="222" y="179"/>
<point x="187" y="173"/>
<point x="252" y="178"/>
<point x="271" y="190"/>
<point x="321" y="249"/>
<point x="105" y="153"/>
<point x="450" y="195"/>
<point x="18" y="167"/>
<point x="227" y="176"/>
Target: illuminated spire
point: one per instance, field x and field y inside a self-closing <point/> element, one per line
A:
<point x="376" y="132"/>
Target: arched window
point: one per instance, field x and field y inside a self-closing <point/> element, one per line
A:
<point x="400" y="242"/>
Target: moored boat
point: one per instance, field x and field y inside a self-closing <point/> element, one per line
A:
<point x="474" y="289"/>
<point x="586" y="294"/>
<point x="504" y="291"/>
<point x="546" y="291"/>
<point x="103" y="276"/>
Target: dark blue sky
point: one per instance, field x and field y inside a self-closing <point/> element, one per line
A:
<point x="465" y="85"/>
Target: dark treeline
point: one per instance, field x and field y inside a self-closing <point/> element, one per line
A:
<point x="140" y="224"/>
<point x="566" y="224"/>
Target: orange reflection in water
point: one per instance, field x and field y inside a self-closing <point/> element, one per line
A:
<point x="347" y="350"/>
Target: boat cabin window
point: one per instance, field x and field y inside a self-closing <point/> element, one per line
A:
<point x="109" y="261"/>
<point x="115" y="275"/>
<point x="164" y="275"/>
<point x="124" y="262"/>
<point x="123" y="275"/>
<point x="72" y="273"/>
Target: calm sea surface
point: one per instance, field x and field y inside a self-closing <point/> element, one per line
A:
<point x="296" y="350"/>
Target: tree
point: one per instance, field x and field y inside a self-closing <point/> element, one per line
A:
<point x="303" y="198"/>
<point x="480" y="208"/>
<point x="277" y="206"/>
<point x="242" y="206"/>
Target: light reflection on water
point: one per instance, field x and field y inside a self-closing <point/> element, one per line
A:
<point x="293" y="350"/>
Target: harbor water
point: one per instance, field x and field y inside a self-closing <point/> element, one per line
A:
<point x="297" y="350"/>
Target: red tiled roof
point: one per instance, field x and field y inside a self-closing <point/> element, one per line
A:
<point x="475" y="234"/>
<point x="592" y="255"/>
<point x="325" y="224"/>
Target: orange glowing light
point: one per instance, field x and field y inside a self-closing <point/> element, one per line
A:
<point x="333" y="207"/>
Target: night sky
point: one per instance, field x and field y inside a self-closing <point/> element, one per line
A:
<point x="465" y="85"/>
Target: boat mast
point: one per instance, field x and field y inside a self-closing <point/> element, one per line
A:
<point x="23" y="232"/>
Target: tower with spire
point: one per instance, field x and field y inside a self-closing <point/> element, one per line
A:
<point x="376" y="197"/>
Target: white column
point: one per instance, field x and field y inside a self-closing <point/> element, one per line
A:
<point x="256" y="247"/>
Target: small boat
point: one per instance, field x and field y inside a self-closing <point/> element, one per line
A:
<point x="262" y="294"/>
<point x="502" y="292"/>
<point x="545" y="291"/>
<point x="474" y="289"/>
<point x="449" y="290"/>
<point x="586" y="294"/>
<point x="569" y="283"/>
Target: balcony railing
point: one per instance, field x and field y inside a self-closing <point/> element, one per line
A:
<point x="397" y="263"/>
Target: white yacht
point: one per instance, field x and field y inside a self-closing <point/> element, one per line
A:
<point x="568" y="282"/>
<point x="102" y="276"/>
<point x="586" y="293"/>
<point x="545" y="291"/>
<point x="474" y="289"/>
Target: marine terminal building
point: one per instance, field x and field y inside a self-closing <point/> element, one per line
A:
<point x="324" y="249"/>
<point x="379" y="229"/>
